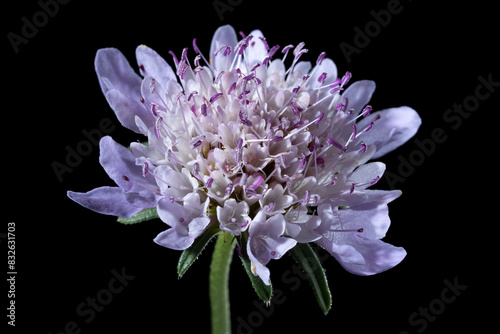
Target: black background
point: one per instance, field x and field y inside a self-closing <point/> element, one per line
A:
<point x="428" y="57"/>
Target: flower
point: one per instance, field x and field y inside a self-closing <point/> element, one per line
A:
<point x="274" y="154"/>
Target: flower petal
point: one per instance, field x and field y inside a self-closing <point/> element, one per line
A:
<point x="152" y="64"/>
<point x="224" y="35"/>
<point x="378" y="257"/>
<point x="367" y="175"/>
<point x="327" y="66"/>
<point x="394" y="127"/>
<point x="358" y="95"/>
<point x="173" y="240"/>
<point x="120" y="165"/>
<point x="108" y="201"/>
<point x="115" y="72"/>
<point x="126" y="110"/>
<point x="257" y="50"/>
<point x="266" y="242"/>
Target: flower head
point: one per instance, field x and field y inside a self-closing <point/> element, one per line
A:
<point x="277" y="154"/>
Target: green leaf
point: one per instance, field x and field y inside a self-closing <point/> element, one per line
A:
<point x="310" y="265"/>
<point x="146" y="214"/>
<point x="190" y="255"/>
<point x="264" y="291"/>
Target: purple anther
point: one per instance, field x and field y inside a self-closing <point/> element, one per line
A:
<point x="223" y="46"/>
<point x="321" y="56"/>
<point x="277" y="138"/>
<point x="369" y="127"/>
<point x="249" y="77"/>
<point x="320" y="161"/>
<point x="196" y="142"/>
<point x="125" y="178"/>
<point x="231" y="88"/>
<point x="145" y="169"/>
<point x="215" y="97"/>
<point x="345" y="79"/>
<point x="227" y="51"/>
<point x="366" y="111"/>
<point x="209" y="182"/>
<point x="191" y="95"/>
<point x="273" y="51"/>
<point x="218" y="77"/>
<point x="195" y="47"/>
<point x="354" y="131"/>
<point x="335" y="83"/>
<point x="204" y="109"/>
<point x="322" y="77"/>
<point x="319" y="118"/>
<point x="353" y="186"/>
<point x="375" y="180"/>
<point x="298" y="49"/>
<point x="287" y="48"/>
<point x="336" y="89"/>
<point x="301" y="53"/>
<point x="176" y="61"/>
<point x="363" y="147"/>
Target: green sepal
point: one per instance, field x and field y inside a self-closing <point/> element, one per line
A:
<point x="264" y="291"/>
<point x="310" y="265"/>
<point x="190" y="255"/>
<point x="146" y="214"/>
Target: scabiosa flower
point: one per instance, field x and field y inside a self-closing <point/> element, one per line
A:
<point x="273" y="155"/>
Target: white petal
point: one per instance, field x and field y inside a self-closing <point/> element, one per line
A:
<point x="256" y="51"/>
<point x="367" y="174"/>
<point x="154" y="65"/>
<point x="358" y="95"/>
<point x="378" y="256"/>
<point x="224" y="35"/>
<point x="394" y="127"/>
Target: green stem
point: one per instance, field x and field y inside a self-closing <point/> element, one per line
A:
<point x="219" y="289"/>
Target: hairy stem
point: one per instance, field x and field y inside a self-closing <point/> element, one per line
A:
<point x="219" y="289"/>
